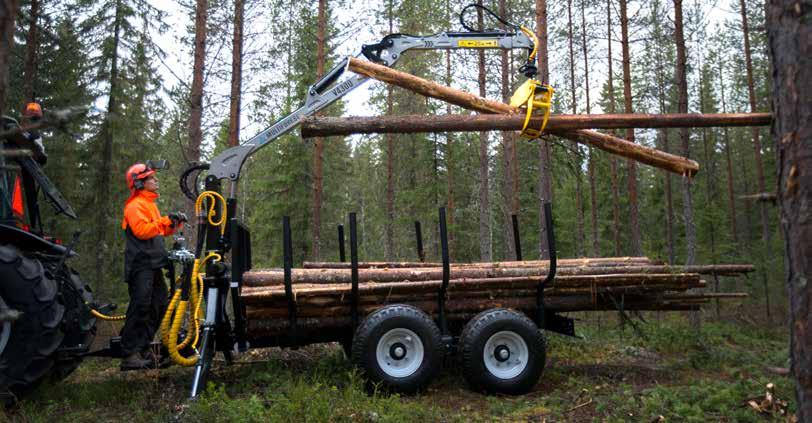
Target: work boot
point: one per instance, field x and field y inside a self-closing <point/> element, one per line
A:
<point x="134" y="361"/>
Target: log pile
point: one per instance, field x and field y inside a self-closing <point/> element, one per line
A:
<point x="323" y="295"/>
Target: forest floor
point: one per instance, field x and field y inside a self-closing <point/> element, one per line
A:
<point x="663" y="372"/>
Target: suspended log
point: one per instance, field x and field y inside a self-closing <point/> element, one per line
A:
<point x="404" y="275"/>
<point x="322" y="126"/>
<point x="611" y="144"/>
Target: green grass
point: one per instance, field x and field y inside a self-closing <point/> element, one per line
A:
<point x="609" y="375"/>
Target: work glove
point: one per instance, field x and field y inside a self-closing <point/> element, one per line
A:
<point x="177" y="218"/>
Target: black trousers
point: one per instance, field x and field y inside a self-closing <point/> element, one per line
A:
<point x="148" y="301"/>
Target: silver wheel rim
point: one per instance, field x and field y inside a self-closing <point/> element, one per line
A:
<point x="400" y="352"/>
<point x="505" y="354"/>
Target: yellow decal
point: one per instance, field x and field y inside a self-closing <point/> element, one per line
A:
<point x="477" y="43"/>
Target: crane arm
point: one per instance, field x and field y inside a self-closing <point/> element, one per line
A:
<point x="338" y="82"/>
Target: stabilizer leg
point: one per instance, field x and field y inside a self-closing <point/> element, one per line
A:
<point x="206" y="342"/>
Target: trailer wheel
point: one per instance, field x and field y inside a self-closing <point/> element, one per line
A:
<point x="398" y="347"/>
<point x="503" y="352"/>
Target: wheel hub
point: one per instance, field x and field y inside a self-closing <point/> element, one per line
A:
<point x="505" y="354"/>
<point x="502" y="353"/>
<point x="399" y="352"/>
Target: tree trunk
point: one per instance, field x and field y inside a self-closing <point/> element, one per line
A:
<point x="580" y="238"/>
<point x="593" y="196"/>
<point x="663" y="134"/>
<point x="485" y="250"/>
<point x="449" y="161"/>
<point x="389" y="226"/>
<point x="236" y="75"/>
<point x="318" y="143"/>
<point x="545" y="188"/>
<point x="196" y="96"/>
<point x="731" y="202"/>
<point x="8" y="15"/>
<point x="470" y="101"/>
<point x="765" y="227"/>
<point x="634" y="225"/>
<point x="510" y="182"/>
<point x="612" y="160"/>
<point x="790" y="40"/>
<point x="682" y="107"/>
<point x="405" y="124"/>
<point x="31" y="56"/>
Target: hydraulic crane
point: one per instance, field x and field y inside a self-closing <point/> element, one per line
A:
<point x="220" y="233"/>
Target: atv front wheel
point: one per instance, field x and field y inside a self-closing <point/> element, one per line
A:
<point x="54" y="329"/>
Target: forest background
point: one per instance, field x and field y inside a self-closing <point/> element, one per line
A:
<point x="152" y="97"/>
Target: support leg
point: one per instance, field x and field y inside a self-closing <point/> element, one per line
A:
<point x="206" y="342"/>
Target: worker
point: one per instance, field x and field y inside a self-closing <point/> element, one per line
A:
<point x="145" y="256"/>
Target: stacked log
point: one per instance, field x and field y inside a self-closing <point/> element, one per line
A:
<point x="323" y="294"/>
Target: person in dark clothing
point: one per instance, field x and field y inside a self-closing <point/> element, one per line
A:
<point x="145" y="257"/>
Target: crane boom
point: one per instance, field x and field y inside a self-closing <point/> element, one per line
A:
<point x="338" y="82"/>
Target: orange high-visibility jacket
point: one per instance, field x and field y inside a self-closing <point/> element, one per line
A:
<point x="144" y="228"/>
<point x="142" y="217"/>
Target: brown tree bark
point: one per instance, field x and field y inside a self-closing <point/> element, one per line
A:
<point x="682" y="107"/>
<point x="612" y="160"/>
<point x="8" y="14"/>
<point x="545" y="187"/>
<point x="404" y="124"/>
<point x="751" y="92"/>
<point x="31" y="56"/>
<point x="634" y="225"/>
<point x="318" y="142"/>
<point x="790" y="40"/>
<point x="236" y="75"/>
<point x="196" y="96"/>
<point x="470" y="101"/>
<point x="485" y="248"/>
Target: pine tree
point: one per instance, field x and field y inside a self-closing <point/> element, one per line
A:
<point x="119" y="27"/>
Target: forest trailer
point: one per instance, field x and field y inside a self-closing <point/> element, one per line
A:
<point x="220" y="233"/>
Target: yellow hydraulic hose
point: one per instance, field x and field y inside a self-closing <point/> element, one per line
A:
<point x="212" y="196"/>
<point x="175" y="315"/>
<point x="104" y="316"/>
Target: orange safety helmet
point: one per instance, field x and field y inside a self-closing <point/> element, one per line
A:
<point x="136" y="175"/>
<point x="32" y="110"/>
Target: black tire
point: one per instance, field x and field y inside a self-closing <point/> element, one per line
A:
<point x="500" y="329"/>
<point x="398" y="322"/>
<point x="54" y="318"/>
<point x="78" y="325"/>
